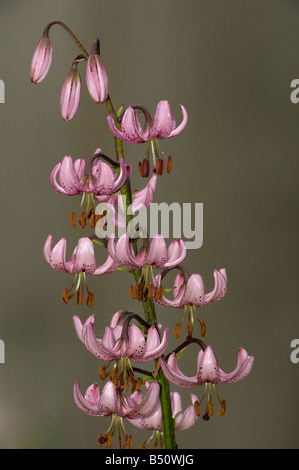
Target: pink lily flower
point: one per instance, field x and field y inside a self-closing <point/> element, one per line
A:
<point x="70" y="95"/>
<point x="162" y="127"/>
<point x="188" y="293"/>
<point x="156" y="255"/>
<point x="81" y="263"/>
<point x="112" y="402"/>
<point x="208" y="369"/>
<point x="41" y="59"/>
<point x="208" y="373"/>
<point x="117" y="342"/>
<point x="92" y="180"/>
<point x="96" y="76"/>
<point x="192" y="291"/>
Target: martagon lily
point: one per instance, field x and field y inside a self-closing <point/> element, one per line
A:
<point x="208" y="373"/>
<point x="81" y="263"/>
<point x="92" y="180"/>
<point x="163" y="126"/>
<point x="113" y="402"/>
<point x="189" y="292"/>
<point x="123" y="343"/>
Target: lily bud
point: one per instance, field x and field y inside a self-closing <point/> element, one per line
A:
<point x="41" y="60"/>
<point x="96" y="76"/>
<point x="70" y="96"/>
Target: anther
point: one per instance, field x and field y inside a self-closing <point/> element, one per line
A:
<point x="90" y="299"/>
<point x="65" y="296"/>
<point x="177" y="330"/>
<point x="144" y="168"/>
<point x="169" y="164"/>
<point x="196" y="408"/>
<point x="82" y="220"/>
<point x="160" y="166"/>
<point x="73" y="220"/>
<point x="223" y="408"/>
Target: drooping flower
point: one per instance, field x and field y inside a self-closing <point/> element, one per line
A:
<point x="41" y="59"/>
<point x="113" y="402"/>
<point x="91" y="180"/>
<point x="150" y="255"/>
<point x="122" y="340"/>
<point x="96" y="76"/>
<point x="162" y="127"/>
<point x="182" y="419"/>
<point x="209" y="373"/>
<point x="81" y="263"/>
<point x="189" y="292"/>
<point x="70" y="95"/>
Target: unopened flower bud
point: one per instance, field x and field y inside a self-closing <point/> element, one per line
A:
<point x="41" y="60"/>
<point x="70" y="96"/>
<point x="96" y="76"/>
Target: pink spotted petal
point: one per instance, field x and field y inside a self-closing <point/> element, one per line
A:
<point x="148" y="404"/>
<point x="83" y="403"/>
<point x="96" y="347"/>
<point x="96" y="79"/>
<point x="164" y="122"/>
<point x="187" y="418"/>
<point x="174" y="374"/>
<point x="81" y="328"/>
<point x="56" y="256"/>
<point x="183" y="124"/>
<point x="220" y="287"/>
<point x="136" y="345"/>
<point x="243" y="368"/>
<point x="176" y="253"/>
<point x="157" y="255"/>
<point x="83" y="258"/>
<point x="68" y="178"/>
<point x="194" y="293"/>
<point x="41" y="60"/>
<point x="154" y="347"/>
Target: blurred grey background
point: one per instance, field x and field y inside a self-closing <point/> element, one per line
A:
<point x="231" y="65"/>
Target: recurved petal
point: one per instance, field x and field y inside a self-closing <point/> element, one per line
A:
<point x="80" y="328"/>
<point x="182" y="125"/>
<point x="82" y="403"/>
<point x="148" y="404"/>
<point x="243" y="368"/>
<point x="96" y="347"/>
<point x="174" y="374"/>
<point x="68" y="178"/>
<point x="176" y="253"/>
<point x="154" y="346"/>
<point x="108" y="267"/>
<point x="57" y="255"/>
<point x="220" y="287"/>
<point x="186" y="419"/>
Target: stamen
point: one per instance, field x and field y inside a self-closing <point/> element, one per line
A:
<point x="169" y="164"/>
<point x="177" y="330"/>
<point x="65" y="296"/>
<point x="73" y="220"/>
<point x="90" y="299"/>
<point x="210" y="408"/>
<point x="82" y="220"/>
<point x="196" y="408"/>
<point x="110" y="439"/>
<point x="223" y="408"/>
<point x="160" y="166"/>
<point x="157" y="367"/>
<point x="130" y="441"/>
<point x="144" y="168"/>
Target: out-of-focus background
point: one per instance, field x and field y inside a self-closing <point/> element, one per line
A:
<point x="231" y="65"/>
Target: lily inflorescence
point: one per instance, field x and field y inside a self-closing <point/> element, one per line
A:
<point x="136" y="368"/>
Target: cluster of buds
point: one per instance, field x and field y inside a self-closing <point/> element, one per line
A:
<point x="131" y="393"/>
